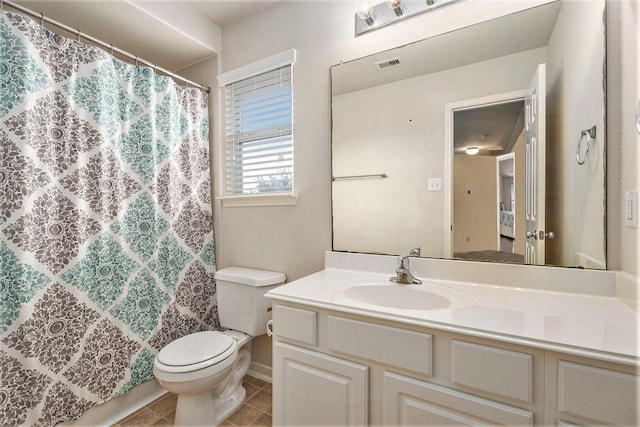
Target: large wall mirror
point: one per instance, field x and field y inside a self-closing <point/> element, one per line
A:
<point x="486" y="143"/>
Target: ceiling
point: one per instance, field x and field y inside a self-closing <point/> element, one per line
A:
<point x="227" y="12"/>
<point x="170" y="33"/>
<point x="494" y="129"/>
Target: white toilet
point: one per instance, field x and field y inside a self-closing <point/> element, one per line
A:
<point x="206" y="368"/>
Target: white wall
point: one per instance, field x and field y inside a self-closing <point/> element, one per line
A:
<point x="623" y="142"/>
<point x="382" y="130"/>
<point x="293" y="239"/>
<point x="575" y="192"/>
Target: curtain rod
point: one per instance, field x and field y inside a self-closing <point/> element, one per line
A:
<point x="104" y="45"/>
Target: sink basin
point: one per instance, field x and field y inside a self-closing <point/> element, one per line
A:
<point x="380" y="292"/>
<point x="396" y="297"/>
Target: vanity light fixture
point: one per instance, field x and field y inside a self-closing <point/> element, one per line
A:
<point x="390" y="11"/>
<point x="472" y="151"/>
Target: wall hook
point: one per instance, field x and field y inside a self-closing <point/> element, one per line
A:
<point x="586" y="135"/>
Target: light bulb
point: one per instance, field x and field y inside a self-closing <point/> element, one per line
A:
<point x="367" y="15"/>
<point x="472" y="151"/>
<point x="397" y="6"/>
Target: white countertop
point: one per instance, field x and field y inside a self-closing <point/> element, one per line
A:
<point x="587" y="325"/>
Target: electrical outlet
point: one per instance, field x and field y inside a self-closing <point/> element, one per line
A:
<point x="631" y="209"/>
<point x="435" y="184"/>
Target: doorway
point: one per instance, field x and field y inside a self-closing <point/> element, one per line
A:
<point x="484" y="144"/>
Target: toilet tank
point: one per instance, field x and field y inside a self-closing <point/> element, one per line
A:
<point x="241" y="302"/>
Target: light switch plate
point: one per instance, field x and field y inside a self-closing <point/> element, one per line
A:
<point x="435" y="184"/>
<point x="631" y="209"/>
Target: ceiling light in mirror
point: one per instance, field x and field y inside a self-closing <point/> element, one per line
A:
<point x="472" y="151"/>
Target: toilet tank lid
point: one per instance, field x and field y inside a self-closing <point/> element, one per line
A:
<point x="250" y="276"/>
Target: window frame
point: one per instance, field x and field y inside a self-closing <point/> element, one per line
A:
<point x="286" y="58"/>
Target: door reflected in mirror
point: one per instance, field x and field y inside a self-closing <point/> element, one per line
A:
<point x="402" y="178"/>
<point x="489" y="182"/>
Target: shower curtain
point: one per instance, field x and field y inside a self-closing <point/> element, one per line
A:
<point x="106" y="242"/>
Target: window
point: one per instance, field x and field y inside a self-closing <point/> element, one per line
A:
<point x="259" y="128"/>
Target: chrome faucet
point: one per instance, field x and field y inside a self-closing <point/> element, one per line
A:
<point x="403" y="273"/>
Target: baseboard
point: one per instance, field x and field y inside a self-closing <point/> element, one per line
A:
<point x="118" y="408"/>
<point x="260" y="371"/>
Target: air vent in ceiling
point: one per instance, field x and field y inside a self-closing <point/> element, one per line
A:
<point x="388" y="63"/>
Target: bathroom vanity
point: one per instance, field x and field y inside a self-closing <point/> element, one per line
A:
<point x="350" y="348"/>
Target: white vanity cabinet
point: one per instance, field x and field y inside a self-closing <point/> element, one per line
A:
<point x="335" y="368"/>
<point x="329" y="367"/>
<point x="349" y="348"/>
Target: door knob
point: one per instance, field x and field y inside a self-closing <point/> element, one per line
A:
<point x="533" y="234"/>
<point x="550" y="235"/>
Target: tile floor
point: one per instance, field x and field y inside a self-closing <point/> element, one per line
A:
<point x="255" y="412"/>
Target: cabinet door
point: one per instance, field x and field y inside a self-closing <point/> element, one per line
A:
<point x="504" y="374"/>
<point x="408" y="401"/>
<point x="311" y="388"/>
<point x="597" y="394"/>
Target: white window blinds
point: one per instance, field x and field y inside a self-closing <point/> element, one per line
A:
<point x="259" y="133"/>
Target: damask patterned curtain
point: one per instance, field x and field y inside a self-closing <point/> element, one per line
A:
<point x="106" y="242"/>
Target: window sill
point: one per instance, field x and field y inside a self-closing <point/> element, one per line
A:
<point x="256" y="200"/>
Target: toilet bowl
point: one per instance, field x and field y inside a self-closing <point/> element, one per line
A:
<point x="205" y="369"/>
<point x="200" y="368"/>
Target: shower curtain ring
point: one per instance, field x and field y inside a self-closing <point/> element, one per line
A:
<point x="136" y="60"/>
<point x="41" y="19"/>
<point x="78" y="34"/>
<point x="111" y="49"/>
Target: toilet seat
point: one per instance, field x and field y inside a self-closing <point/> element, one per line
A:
<point x="196" y="351"/>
